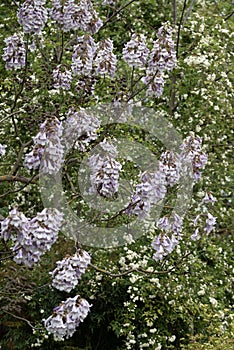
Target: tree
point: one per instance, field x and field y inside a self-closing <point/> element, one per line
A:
<point x="76" y="75"/>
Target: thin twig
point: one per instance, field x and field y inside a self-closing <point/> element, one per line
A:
<point x="117" y="12"/>
<point x="22" y="319"/>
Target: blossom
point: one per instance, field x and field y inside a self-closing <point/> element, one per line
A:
<point x="170" y="165"/>
<point x="209" y="198"/>
<point x="210" y="223"/>
<point x="72" y="16"/>
<point x="83" y="55"/>
<point x="14" y="53"/>
<point x="161" y="58"/>
<point x="193" y="154"/>
<point x="32" y="15"/>
<point x="48" y="151"/>
<point x="66" y="317"/>
<point x="105" y="60"/>
<point x="105" y="172"/>
<point x="149" y="191"/>
<point x="62" y="78"/>
<point x="32" y="237"/>
<point x="163" y="245"/>
<point x="80" y="128"/>
<point x="154" y="81"/>
<point x="135" y="52"/>
<point x="69" y="270"/>
<point x="163" y="55"/>
<point x="195" y="236"/>
<point x="2" y="149"/>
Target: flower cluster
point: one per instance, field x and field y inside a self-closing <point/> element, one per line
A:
<point x="2" y="149"/>
<point x="48" y="150"/>
<point x="62" y="78"/>
<point x="165" y="243"/>
<point x="80" y="128"/>
<point x="209" y="223"/>
<point x="105" y="171"/>
<point x="150" y="191"/>
<point x="135" y="52"/>
<point x="72" y="16"/>
<point x="192" y="152"/>
<point x="170" y="166"/>
<point x="66" y="317"/>
<point x="83" y="55"/>
<point x="33" y="237"/>
<point x="105" y="60"/>
<point x="69" y="270"/>
<point x="33" y="16"/>
<point x="14" y="53"/>
<point x="162" y="58"/>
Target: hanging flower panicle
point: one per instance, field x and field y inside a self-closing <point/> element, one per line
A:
<point x="135" y="52"/>
<point x="66" y="317"/>
<point x="48" y="151"/>
<point x="62" y="78"/>
<point x="14" y="53"/>
<point x="32" y="237"/>
<point x="69" y="270"/>
<point x="32" y="15"/>
<point x="105" y="60"/>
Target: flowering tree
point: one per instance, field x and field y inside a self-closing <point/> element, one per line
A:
<point x="66" y="62"/>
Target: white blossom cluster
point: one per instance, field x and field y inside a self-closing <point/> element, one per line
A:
<point x="32" y="15"/>
<point x="72" y="16"/>
<point x="105" y="60"/>
<point x="62" y="78"/>
<point x="83" y="55"/>
<point x="161" y="58"/>
<point x="105" y="171"/>
<point x="69" y="270"/>
<point x="14" y="53"/>
<point x="48" y="151"/>
<point x="165" y="242"/>
<point x="32" y="237"/>
<point x="80" y="128"/>
<point x="66" y="317"/>
<point x="2" y="150"/>
<point x="192" y="152"/>
<point x="150" y="191"/>
<point x="135" y="52"/>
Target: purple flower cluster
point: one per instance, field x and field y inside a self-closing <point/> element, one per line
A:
<point x="80" y="128"/>
<point x="105" y="171"/>
<point x="135" y="52"/>
<point x="62" y="78"/>
<point x="72" y="16"/>
<point x="33" y="16"/>
<point x="162" y="58"/>
<point x="165" y="242"/>
<point x="150" y="191"/>
<point x="192" y="152"/>
<point x="69" y="270"/>
<point x="33" y="237"/>
<point x="14" y="53"/>
<point x="66" y="317"/>
<point x="209" y="198"/>
<point x="170" y="166"/>
<point x="83" y="55"/>
<point x="209" y="223"/>
<point x="105" y="60"/>
<point x="48" y="151"/>
<point x="2" y="149"/>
